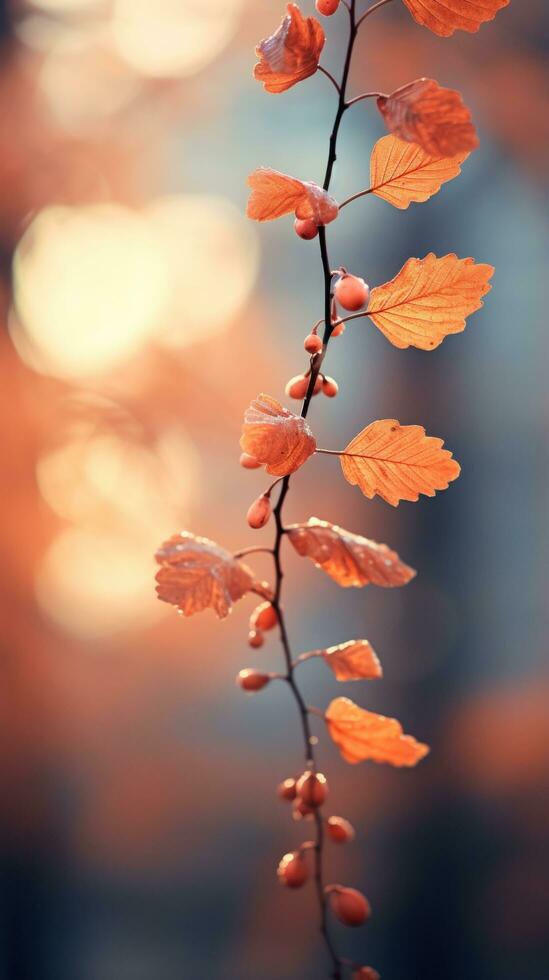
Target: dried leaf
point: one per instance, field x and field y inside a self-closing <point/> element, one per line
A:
<point x="197" y="574"/>
<point x="443" y="17"/>
<point x="428" y="299"/>
<point x="397" y="462"/>
<point x="353" y="661"/>
<point x="403" y="172"/>
<point x="275" y="194"/>
<point x="276" y="437"/>
<point x="361" y="735"/>
<point x="434" y="117"/>
<point x="291" y="53"/>
<point x="348" y="558"/>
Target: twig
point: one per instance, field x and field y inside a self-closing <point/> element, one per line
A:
<point x="330" y="76"/>
<point x="372" y="10"/>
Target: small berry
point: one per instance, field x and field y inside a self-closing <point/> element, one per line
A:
<point x="366" y="973"/>
<point x="297" y="387"/>
<point x="255" y="639"/>
<point x="338" y="330"/>
<point x="339" y="830"/>
<point x="286" y="790"/>
<point x="263" y="617"/>
<point x="312" y="343"/>
<point x="330" y="387"/>
<point x="252" y="680"/>
<point x="259" y="512"/>
<point x="327" y="7"/>
<point x="312" y="788"/>
<point x="306" y="228"/>
<point x="292" y="870"/>
<point x="301" y="811"/>
<point x="349" y="905"/>
<point x="249" y="462"/>
<point x="351" y="292"/>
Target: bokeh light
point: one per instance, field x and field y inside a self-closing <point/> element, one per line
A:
<point x="166" y="38"/>
<point x="89" y="286"/>
<point x="211" y="253"/>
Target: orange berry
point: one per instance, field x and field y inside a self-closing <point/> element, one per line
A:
<point x="286" y="790"/>
<point x="292" y="870"/>
<point x="312" y="343"/>
<point x="366" y="973"/>
<point x="255" y="639"/>
<point x="327" y="7"/>
<point x="338" y="330"/>
<point x="312" y="788"/>
<point x="330" y="387"/>
<point x="306" y="228"/>
<point x="252" y="680"/>
<point x="351" y="292"/>
<point x="259" y="512"/>
<point x="249" y="462"/>
<point x="349" y="905"/>
<point x="297" y="387"/>
<point x="264" y="617"/>
<point x="301" y="811"/>
<point x="339" y="830"/>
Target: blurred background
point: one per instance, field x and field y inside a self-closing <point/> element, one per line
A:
<point x="139" y="828"/>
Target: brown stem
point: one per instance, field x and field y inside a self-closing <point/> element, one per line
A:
<point x="330" y="76"/>
<point x="354" y="197"/>
<point x="372" y="10"/>
<point x="316" y="365"/>
<point x="365" y="95"/>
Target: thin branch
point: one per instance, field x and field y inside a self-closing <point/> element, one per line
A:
<point x="355" y="197"/>
<point x="330" y="76"/>
<point x="372" y="10"/>
<point x="252" y="551"/>
<point x="365" y="95"/>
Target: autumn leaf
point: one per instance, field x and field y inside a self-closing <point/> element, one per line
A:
<point x="275" y="194"/>
<point x="403" y="172"/>
<point x="397" y="462"/>
<point x="361" y="735"/>
<point x="291" y="53"/>
<point x="349" y="559"/>
<point x="434" y="117"/>
<point x="443" y="17"/>
<point x="353" y="661"/>
<point x="428" y="299"/>
<point x="197" y="574"/>
<point x="276" y="437"/>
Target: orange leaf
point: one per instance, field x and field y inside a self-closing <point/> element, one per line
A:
<point x="276" y="437"/>
<point x="348" y="558"/>
<point x="275" y="194"/>
<point x="443" y="17"/>
<point x="361" y="735"/>
<point x="422" y="112"/>
<point x="353" y="661"/>
<point x="397" y="462"/>
<point x="402" y="172"/>
<point x="197" y="574"/>
<point x="428" y="299"/>
<point x="291" y="53"/>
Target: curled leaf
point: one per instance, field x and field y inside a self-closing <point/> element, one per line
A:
<point x="198" y="574"/>
<point x="443" y="17"/>
<point x="397" y="462"/>
<point x="361" y="735"/>
<point x="429" y="299"/>
<point x="434" y="117"/>
<point x="291" y="53"/>
<point x="276" y="437"/>
<point x="353" y="661"/>
<point x="349" y="559"/>
<point x="275" y="194"/>
<point x="403" y="172"/>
